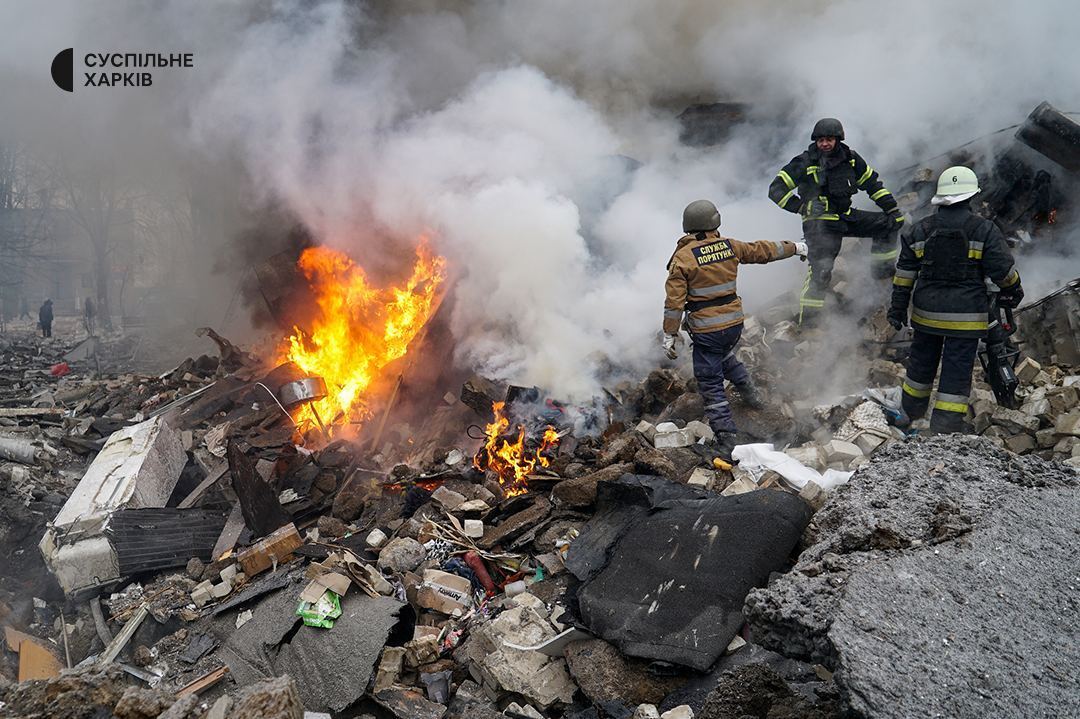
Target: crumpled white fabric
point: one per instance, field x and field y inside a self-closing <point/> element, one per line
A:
<point x="756" y="458"/>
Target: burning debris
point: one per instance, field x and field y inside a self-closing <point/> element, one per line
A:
<point x="511" y="455"/>
<point x="358" y="329"/>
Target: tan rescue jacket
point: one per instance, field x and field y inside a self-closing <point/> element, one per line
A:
<point x="701" y="280"/>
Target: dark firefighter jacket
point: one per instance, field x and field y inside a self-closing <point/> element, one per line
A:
<point x="945" y="258"/>
<point x="831" y="179"/>
<point x="701" y="280"/>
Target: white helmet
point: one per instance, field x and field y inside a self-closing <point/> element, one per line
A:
<point x="956" y="184"/>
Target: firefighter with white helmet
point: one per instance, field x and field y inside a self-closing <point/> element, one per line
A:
<point x="941" y="273"/>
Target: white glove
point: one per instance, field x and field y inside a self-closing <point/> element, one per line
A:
<point x="669" y="346"/>
<point x="801" y="250"/>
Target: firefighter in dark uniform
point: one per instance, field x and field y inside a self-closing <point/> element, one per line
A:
<point x="946" y="259"/>
<point x="701" y="286"/>
<point x="819" y="185"/>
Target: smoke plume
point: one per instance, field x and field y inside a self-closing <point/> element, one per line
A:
<point x="537" y="142"/>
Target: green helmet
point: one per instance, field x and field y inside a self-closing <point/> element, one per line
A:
<point x="956" y="184"/>
<point x="828" y="127"/>
<point x="700" y="216"/>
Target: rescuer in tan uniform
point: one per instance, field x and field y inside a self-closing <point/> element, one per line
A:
<point x="701" y="285"/>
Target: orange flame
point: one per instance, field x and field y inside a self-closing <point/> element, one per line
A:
<point x="358" y="329"/>
<point x="513" y="462"/>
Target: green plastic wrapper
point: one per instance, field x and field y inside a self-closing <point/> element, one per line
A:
<point x="321" y="613"/>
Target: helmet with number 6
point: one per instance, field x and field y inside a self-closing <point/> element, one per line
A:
<point x="956" y="184"/>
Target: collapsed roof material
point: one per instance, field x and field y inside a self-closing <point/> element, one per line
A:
<point x="678" y="565"/>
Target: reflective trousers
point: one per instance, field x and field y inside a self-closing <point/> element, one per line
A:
<point x="714" y="361"/>
<point x="956" y="356"/>
<point x="823" y="239"/>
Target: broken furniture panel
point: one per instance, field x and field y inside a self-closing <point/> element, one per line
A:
<point x="137" y="468"/>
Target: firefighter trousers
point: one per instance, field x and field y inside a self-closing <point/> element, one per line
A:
<point x="714" y="361"/>
<point x="956" y="356"/>
<point x="823" y="240"/>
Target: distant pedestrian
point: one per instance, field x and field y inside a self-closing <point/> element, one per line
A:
<point x="45" y="318"/>
<point x="88" y="316"/>
<point x="24" y="309"/>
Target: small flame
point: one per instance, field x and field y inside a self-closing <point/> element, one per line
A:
<point x="358" y="329"/>
<point x="512" y="461"/>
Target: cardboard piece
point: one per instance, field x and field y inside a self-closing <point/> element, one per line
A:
<point x="269" y="550"/>
<point x="335" y="582"/>
<point x="444" y="592"/>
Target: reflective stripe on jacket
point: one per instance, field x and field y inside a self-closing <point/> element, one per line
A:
<point x="831" y="180"/>
<point x="702" y="273"/>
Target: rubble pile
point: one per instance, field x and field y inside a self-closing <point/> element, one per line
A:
<point x="504" y="555"/>
<point x="939" y="576"/>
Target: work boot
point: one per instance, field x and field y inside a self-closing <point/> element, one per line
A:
<point x="945" y="422"/>
<point x="724" y="444"/>
<point x="750" y="395"/>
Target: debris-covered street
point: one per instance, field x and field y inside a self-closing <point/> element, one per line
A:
<point x="340" y="379"/>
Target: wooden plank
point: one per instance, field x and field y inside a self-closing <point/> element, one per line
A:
<point x="18" y="412"/>
<point x="124" y="636"/>
<point x="204" y="682"/>
<point x="36" y="662"/>
<point x="14" y="638"/>
<point x="211" y="478"/>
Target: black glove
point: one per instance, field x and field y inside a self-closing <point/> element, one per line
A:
<point x="1011" y="297"/>
<point x="897" y="216"/>
<point x="897" y="317"/>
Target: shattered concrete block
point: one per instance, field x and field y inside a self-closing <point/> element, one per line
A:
<point x="201" y="597"/>
<point x="702" y="477"/>
<point x="981" y="422"/>
<point x="645" y="711"/>
<point x="672" y="440"/>
<point x="867" y="442"/>
<point x="403" y="554"/>
<point x="1043" y="380"/>
<point x="810" y="455"/>
<point x="814" y="495"/>
<point x="376" y="538"/>
<point x="515" y="709"/>
<point x="1038" y="408"/>
<point x="448" y="498"/>
<point x="667" y="427"/>
<point x="1015" y="420"/>
<point x="1062" y="399"/>
<point x="269" y="699"/>
<point x="735" y="644"/>
<point x="1066" y="445"/>
<point x="646" y="429"/>
<point x="390" y="668"/>
<point x="1046" y="438"/>
<point x="1072" y="380"/>
<point x="1020" y="443"/>
<point x="1068" y="424"/>
<point x="700" y="430"/>
<point x="1027" y="369"/>
<point x="474" y="528"/>
<point x="1073" y="462"/>
<point x="739" y="486"/>
<point x="221" y="590"/>
<point x="682" y="711"/>
<point x="839" y="452"/>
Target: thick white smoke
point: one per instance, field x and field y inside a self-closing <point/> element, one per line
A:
<point x="499" y="127"/>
